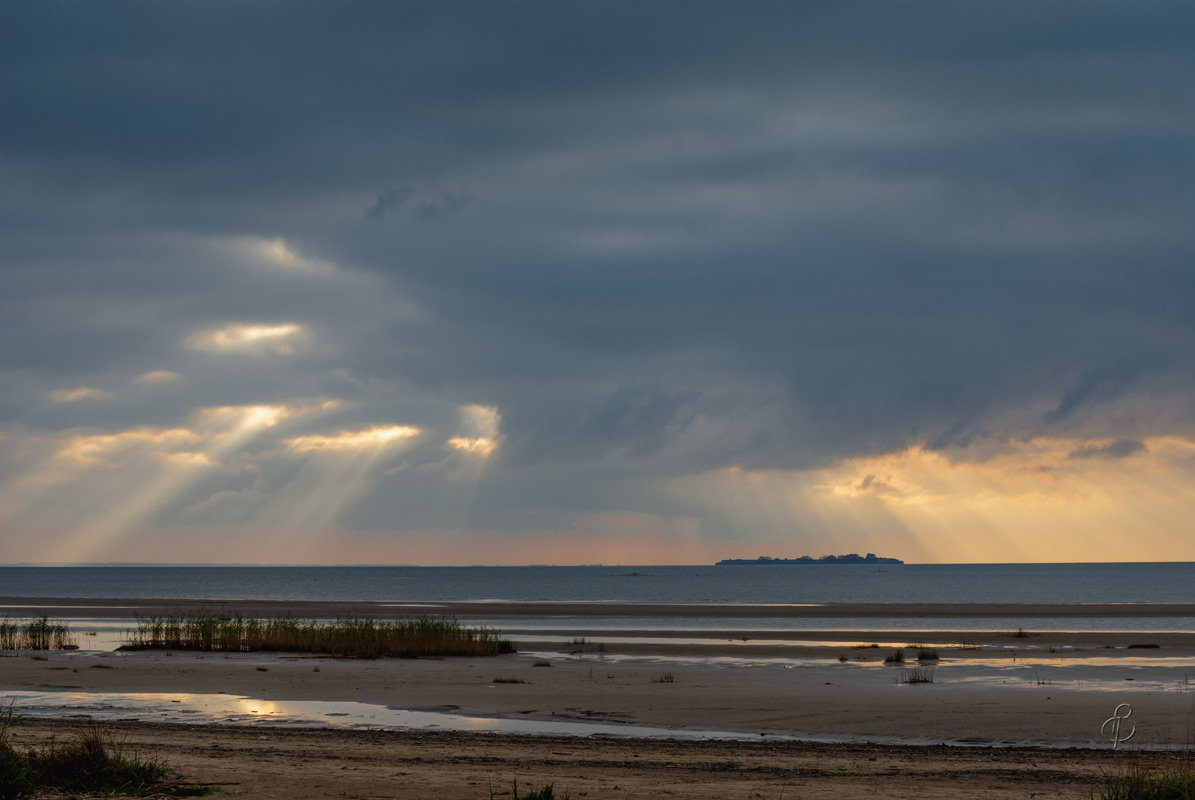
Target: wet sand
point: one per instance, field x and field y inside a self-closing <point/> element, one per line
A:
<point x="992" y="691"/>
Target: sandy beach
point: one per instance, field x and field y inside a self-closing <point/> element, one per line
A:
<point x="306" y="764"/>
<point x="811" y="711"/>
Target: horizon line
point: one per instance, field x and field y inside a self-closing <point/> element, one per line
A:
<point x="545" y="565"/>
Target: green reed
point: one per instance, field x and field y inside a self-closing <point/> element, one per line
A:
<point x="356" y="637"/>
<point x="1166" y="778"/>
<point x="40" y="634"/>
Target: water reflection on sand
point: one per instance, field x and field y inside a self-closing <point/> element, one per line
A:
<point x="235" y="709"/>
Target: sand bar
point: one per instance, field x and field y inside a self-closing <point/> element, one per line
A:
<point x="977" y="696"/>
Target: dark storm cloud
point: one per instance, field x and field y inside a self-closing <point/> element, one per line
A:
<point x="1093" y="387"/>
<point x="659" y="238"/>
<point x="419" y="204"/>
<point x="1121" y="448"/>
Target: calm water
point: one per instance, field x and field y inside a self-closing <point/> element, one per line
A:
<point x="929" y="583"/>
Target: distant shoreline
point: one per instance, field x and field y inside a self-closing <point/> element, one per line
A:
<point x="849" y="558"/>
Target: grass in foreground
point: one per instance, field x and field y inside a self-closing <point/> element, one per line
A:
<point x="92" y="762"/>
<point x="40" y="634"/>
<point x="355" y="638"/>
<point x="1159" y="781"/>
<point x="546" y="792"/>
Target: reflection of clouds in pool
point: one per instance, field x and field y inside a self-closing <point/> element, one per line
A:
<point x="248" y="705"/>
<point x="1093" y="674"/>
<point x="239" y="709"/>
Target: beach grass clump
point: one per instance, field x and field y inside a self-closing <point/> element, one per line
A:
<point x="927" y="654"/>
<point x="351" y="638"/>
<point x="92" y="762"/>
<point x="1020" y="633"/>
<point x="545" y="792"/>
<point x="1157" y="781"/>
<point x="895" y="657"/>
<point x="917" y="675"/>
<point x="40" y="634"/>
<point x="16" y="779"/>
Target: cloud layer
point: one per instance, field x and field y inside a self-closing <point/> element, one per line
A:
<point x="323" y="280"/>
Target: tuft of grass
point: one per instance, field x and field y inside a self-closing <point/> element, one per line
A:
<point x="353" y="638"/>
<point x="1157" y="781"/>
<point x="545" y="792"/>
<point x="1020" y="633"/>
<point x="508" y="680"/>
<point x="917" y="675"/>
<point x="40" y="634"/>
<point x="16" y="779"/>
<point x="664" y="677"/>
<point x="94" y="762"/>
<point x="927" y="654"/>
<point x="872" y="646"/>
<point x="895" y="657"/>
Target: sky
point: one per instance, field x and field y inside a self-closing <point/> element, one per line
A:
<point x="619" y="282"/>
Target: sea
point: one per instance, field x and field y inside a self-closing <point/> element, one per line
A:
<point x="1167" y="582"/>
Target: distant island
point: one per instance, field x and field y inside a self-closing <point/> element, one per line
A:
<point x="849" y="558"/>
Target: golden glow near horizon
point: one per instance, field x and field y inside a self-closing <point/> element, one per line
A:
<point x="998" y="500"/>
<point x="282" y="338"/>
<point x="1040" y="499"/>
<point x="95" y="487"/>
<point x="163" y="469"/>
<point x="378" y="436"/>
